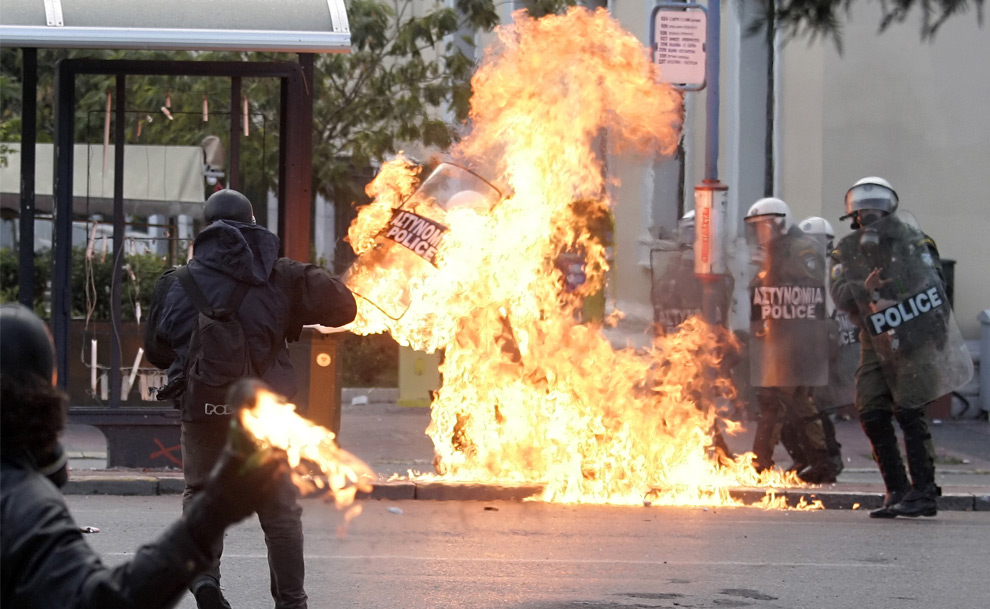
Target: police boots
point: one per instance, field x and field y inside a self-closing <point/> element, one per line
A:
<point x="922" y="500"/>
<point x="880" y="430"/>
<point x="918" y="502"/>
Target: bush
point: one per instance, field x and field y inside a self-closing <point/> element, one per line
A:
<point x="369" y="361"/>
<point x="91" y="283"/>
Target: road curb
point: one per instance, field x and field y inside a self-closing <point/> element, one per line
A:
<point x="406" y="490"/>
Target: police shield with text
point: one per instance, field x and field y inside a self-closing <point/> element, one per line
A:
<point x="676" y="290"/>
<point x="788" y="335"/>
<point x="887" y="276"/>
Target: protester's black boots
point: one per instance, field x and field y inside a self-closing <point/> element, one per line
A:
<point x="879" y="428"/>
<point x="207" y="592"/>
<point x="922" y="500"/>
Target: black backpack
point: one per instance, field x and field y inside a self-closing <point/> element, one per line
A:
<point x="218" y="354"/>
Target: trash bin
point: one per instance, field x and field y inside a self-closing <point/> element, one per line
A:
<point x="314" y="357"/>
<point x="949" y="272"/>
<point x="419" y="377"/>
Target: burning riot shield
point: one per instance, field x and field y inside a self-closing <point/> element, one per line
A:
<point x="404" y="255"/>
<point x="675" y="291"/>
<point x="788" y="327"/>
<point x="904" y="309"/>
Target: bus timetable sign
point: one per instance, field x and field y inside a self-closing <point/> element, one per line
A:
<point x="678" y="43"/>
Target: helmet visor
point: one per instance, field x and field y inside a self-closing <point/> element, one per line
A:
<point x="761" y="230"/>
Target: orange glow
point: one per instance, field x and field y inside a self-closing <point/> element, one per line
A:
<point x="275" y="423"/>
<point x="530" y="393"/>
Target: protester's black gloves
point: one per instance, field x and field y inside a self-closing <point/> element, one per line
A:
<point x="245" y="477"/>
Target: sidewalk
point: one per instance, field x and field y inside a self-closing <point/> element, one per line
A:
<point x="392" y="440"/>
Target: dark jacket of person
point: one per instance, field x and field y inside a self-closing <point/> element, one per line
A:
<point x="285" y="295"/>
<point x="47" y="563"/>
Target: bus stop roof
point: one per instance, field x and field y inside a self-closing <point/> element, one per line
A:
<point x="296" y="26"/>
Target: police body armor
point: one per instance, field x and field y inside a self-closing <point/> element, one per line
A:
<point x="907" y="318"/>
<point x="676" y="292"/>
<point x="788" y="328"/>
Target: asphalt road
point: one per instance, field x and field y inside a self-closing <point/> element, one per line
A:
<point x="481" y="555"/>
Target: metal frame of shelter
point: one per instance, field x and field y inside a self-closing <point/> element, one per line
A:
<point x="297" y="26"/>
<point x="294" y="172"/>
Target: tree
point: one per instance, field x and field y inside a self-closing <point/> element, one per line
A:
<point x="795" y="18"/>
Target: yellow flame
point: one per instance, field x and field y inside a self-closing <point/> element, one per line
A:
<point x="275" y="423"/>
<point x="530" y="393"/>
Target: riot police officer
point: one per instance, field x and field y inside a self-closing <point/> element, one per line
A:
<point x="886" y="274"/>
<point x="843" y="358"/>
<point x="788" y="334"/>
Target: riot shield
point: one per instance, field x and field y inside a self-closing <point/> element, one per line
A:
<point x="904" y="309"/>
<point x="404" y="255"/>
<point x="788" y="327"/>
<point x="842" y="364"/>
<point x="675" y="291"/>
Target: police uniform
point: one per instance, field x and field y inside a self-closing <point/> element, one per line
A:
<point x="899" y="365"/>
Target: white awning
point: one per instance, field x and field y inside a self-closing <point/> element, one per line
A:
<point x="157" y="179"/>
<point x="296" y="26"/>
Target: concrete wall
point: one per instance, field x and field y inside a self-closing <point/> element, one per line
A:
<point x="912" y="112"/>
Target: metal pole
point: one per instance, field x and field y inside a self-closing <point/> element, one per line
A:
<point x="236" y="126"/>
<point x="714" y="24"/>
<point x="29" y="129"/>
<point x="711" y="90"/>
<point x="62" y="198"/>
<point x="118" y="239"/>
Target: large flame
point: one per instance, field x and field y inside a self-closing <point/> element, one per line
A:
<point x="531" y="394"/>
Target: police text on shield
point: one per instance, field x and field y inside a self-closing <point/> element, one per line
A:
<point x="788" y="302"/>
<point x="419" y="234"/>
<point x="906" y="310"/>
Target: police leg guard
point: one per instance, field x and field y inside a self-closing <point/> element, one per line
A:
<point x="831" y="443"/>
<point x="922" y="500"/>
<point x="790" y="437"/>
<point x="878" y="427"/>
<point x="766" y="429"/>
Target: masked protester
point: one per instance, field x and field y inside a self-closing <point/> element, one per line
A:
<point x="843" y="358"/>
<point x="46" y="562"/>
<point x="886" y="274"/>
<point x="234" y="259"/>
<point x="788" y="336"/>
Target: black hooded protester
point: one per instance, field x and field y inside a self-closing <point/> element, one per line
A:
<point x="46" y="562"/>
<point x="236" y="268"/>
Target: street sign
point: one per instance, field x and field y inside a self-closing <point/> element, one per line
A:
<point x="678" y="43"/>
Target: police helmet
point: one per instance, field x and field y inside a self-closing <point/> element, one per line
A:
<point x="871" y="193"/>
<point x="813" y="225"/>
<point x="228" y="204"/>
<point x="26" y="345"/>
<point x="766" y="219"/>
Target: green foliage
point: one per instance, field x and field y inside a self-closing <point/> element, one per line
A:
<point x="813" y="18"/>
<point x="369" y="361"/>
<point x="10" y="274"/>
<point x="91" y="282"/>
